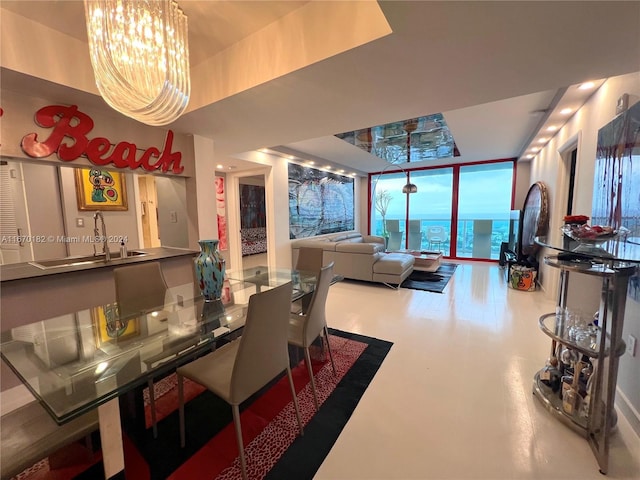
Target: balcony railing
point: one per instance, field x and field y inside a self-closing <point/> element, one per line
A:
<point x="476" y="237"/>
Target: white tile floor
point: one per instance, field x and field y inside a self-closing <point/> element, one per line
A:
<point x="453" y="399"/>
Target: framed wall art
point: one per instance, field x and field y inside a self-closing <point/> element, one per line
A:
<point x="100" y="190"/>
<point x="108" y="327"/>
<point x="319" y="202"/>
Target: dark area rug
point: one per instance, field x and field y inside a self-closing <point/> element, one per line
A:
<point x="210" y="451"/>
<point x="431" y="281"/>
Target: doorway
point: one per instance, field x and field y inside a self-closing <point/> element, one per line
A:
<point x="253" y="220"/>
<point x="149" y="211"/>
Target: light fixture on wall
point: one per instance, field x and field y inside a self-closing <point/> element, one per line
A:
<point x="140" y="56"/>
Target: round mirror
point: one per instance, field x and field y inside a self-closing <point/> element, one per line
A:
<point x="535" y="218"/>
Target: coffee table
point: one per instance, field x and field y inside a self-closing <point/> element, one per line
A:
<point x="426" y="261"/>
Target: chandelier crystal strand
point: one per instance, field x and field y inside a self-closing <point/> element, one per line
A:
<point x="140" y="55"/>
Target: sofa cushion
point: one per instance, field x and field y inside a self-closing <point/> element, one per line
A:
<point x="338" y="238"/>
<point x="394" y="263"/>
<point x="364" y="248"/>
<point x="372" y="239"/>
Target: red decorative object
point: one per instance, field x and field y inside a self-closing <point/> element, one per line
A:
<point x="221" y="213"/>
<point x="69" y="122"/>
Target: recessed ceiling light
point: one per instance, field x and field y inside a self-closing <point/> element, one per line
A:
<point x="535" y="149"/>
<point x="219" y="166"/>
<point x="328" y="167"/>
<point x="264" y="150"/>
<point x="311" y="163"/>
<point x="542" y="139"/>
<point x="353" y="174"/>
<point x="529" y="156"/>
<point x="291" y="157"/>
<point x="552" y="128"/>
<point x="586" y="86"/>
<point x="566" y="111"/>
<point x="341" y="171"/>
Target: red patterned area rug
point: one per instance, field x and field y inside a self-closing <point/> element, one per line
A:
<point x="275" y="413"/>
<point x="273" y="447"/>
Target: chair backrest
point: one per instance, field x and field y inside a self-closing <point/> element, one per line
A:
<point x="415" y="235"/>
<point x="436" y="233"/>
<point x="263" y="352"/>
<point x="392" y="225"/>
<point x="315" y="318"/>
<point x="309" y="259"/>
<point x="139" y="288"/>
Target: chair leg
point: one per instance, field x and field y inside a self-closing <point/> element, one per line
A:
<point x="236" y="422"/>
<point x="326" y="337"/>
<point x="181" y="408"/>
<point x="307" y="359"/>
<point x="295" y="400"/>
<point x="152" y="404"/>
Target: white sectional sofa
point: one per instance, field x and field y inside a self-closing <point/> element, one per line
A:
<point x="359" y="257"/>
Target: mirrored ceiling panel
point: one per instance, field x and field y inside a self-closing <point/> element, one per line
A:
<point x="413" y="140"/>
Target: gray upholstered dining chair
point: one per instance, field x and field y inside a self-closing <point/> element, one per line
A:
<point x="240" y="368"/>
<point x="305" y="328"/>
<point x="140" y="288"/>
<point x="310" y="260"/>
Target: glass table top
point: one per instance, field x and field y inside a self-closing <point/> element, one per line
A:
<point x="262" y="276"/>
<point x="75" y="362"/>
<point x="621" y="249"/>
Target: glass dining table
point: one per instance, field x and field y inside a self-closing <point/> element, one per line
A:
<point x="87" y="359"/>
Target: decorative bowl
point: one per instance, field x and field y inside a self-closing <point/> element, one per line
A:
<point x="590" y="240"/>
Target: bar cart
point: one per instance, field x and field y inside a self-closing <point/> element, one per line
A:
<point x="578" y="383"/>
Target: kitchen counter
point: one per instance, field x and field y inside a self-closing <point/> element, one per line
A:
<point x="25" y="270"/>
<point x="29" y="294"/>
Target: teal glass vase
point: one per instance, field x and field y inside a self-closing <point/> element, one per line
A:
<point x="210" y="269"/>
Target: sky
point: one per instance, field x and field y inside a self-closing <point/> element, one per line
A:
<point x="484" y="190"/>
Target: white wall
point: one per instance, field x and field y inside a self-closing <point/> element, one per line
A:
<point x="582" y="129"/>
<point x="172" y="212"/>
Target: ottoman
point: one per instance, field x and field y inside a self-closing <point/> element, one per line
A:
<point x="392" y="268"/>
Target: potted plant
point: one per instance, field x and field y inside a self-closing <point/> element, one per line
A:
<point x="382" y="199"/>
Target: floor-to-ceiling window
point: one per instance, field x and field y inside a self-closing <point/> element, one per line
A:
<point x="461" y="210"/>
<point x="430" y="210"/>
<point x="389" y="208"/>
<point x="484" y="203"/>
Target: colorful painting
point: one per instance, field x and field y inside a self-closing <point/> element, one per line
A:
<point x="100" y="190"/>
<point x="319" y="202"/>
<point x="616" y="198"/>
<point x="221" y="214"/>
<point x="109" y="327"/>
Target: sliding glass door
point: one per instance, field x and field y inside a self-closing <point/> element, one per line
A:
<point x="430" y="211"/>
<point x="484" y="202"/>
<point x="389" y="209"/>
<point x="461" y="210"/>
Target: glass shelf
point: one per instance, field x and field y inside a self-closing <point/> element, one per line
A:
<point x="551" y="328"/>
<point x="621" y="249"/>
<point x="591" y="266"/>
<point x="553" y="403"/>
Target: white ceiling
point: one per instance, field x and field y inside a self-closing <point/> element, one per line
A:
<point x="494" y="69"/>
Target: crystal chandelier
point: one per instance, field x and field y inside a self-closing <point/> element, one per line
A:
<point x="140" y="56"/>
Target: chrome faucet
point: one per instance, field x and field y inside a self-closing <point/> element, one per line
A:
<point x="96" y="233"/>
